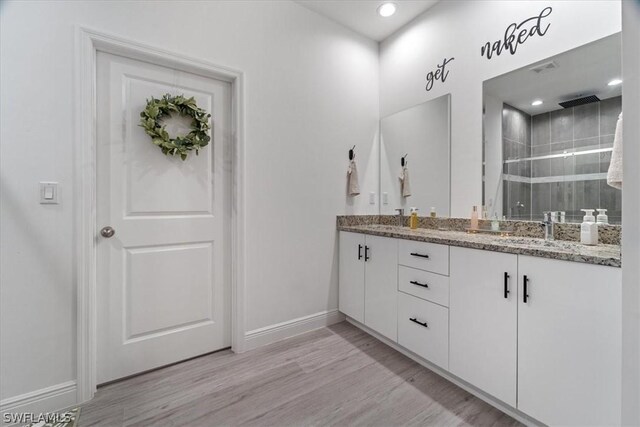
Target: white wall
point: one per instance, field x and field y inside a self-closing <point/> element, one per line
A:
<point x="459" y="29"/>
<point x="311" y="93"/>
<point x="630" y="209"/>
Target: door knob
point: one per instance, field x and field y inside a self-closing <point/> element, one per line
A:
<point x="107" y="231"/>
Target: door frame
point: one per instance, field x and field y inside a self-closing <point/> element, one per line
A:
<point x="87" y="43"/>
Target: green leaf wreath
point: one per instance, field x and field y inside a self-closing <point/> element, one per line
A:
<point x="158" y="109"/>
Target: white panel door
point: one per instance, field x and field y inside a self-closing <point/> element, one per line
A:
<point x="163" y="278"/>
<point x="483" y="320"/>
<point x="381" y="285"/>
<point x="351" y="275"/>
<point x="569" y="342"/>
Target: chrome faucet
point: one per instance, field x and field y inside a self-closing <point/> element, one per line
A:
<point x="400" y="217"/>
<point x="548" y="225"/>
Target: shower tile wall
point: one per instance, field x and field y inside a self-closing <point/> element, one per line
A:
<point x="516" y="144"/>
<point x="585" y="127"/>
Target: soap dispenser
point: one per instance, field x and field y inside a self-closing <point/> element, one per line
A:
<point x="589" y="228"/>
<point x="413" y="219"/>
<point x="495" y="224"/>
<point x="602" y="217"/>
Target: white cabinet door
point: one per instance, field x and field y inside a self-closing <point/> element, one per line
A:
<point x="381" y="286"/>
<point x="351" y="275"/>
<point x="483" y="320"/>
<point x="423" y="328"/>
<point x="569" y="342"/>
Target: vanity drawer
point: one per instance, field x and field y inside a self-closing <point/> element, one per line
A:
<point x="425" y="256"/>
<point x="423" y="328"/>
<point x="424" y="284"/>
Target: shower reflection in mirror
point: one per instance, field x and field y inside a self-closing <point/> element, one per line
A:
<point x="548" y="134"/>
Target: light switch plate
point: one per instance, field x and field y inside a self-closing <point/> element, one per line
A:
<point x="372" y="198"/>
<point x="385" y="198"/>
<point x="49" y="193"/>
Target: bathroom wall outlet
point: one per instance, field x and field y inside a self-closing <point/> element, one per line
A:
<point x="372" y="198"/>
<point x="385" y="198"/>
<point x="48" y="193"/>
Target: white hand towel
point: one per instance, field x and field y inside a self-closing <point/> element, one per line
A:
<point x="405" y="186"/>
<point x="614" y="174"/>
<point x="353" y="187"/>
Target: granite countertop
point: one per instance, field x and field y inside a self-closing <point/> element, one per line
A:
<point x="608" y="255"/>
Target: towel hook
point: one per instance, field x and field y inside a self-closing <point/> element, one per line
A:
<point x="403" y="161"/>
<point x="352" y="153"/>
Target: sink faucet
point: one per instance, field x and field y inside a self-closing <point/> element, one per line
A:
<point x="548" y="225"/>
<point x="400" y="217"/>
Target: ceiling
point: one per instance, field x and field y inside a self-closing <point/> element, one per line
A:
<point x="362" y="15"/>
<point x="583" y="71"/>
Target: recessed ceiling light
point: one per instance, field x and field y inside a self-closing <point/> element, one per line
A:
<point x="387" y="9"/>
<point x="615" y="82"/>
<point x="536" y="102"/>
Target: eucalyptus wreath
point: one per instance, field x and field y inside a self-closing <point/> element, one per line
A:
<point x="158" y="109"/>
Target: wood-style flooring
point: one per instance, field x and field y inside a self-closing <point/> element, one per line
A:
<point x="338" y="376"/>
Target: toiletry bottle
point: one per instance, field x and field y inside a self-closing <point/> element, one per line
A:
<point x="485" y="213"/>
<point x="413" y="220"/>
<point x="495" y="224"/>
<point x="433" y="212"/>
<point x="589" y="228"/>
<point x="474" y="218"/>
<point x="602" y="217"/>
<point x="563" y="217"/>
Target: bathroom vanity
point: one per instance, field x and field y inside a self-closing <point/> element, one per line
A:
<point x="531" y="324"/>
<point x="534" y="324"/>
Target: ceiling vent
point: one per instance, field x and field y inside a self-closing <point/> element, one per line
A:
<point x="579" y="101"/>
<point x="541" y="68"/>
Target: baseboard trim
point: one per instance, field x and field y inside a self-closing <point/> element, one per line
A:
<point x="270" y="334"/>
<point x="48" y="399"/>
<point x="507" y="409"/>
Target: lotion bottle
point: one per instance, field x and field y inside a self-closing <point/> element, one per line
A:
<point x="589" y="228"/>
<point x="413" y="220"/>
<point x="474" y="218"/>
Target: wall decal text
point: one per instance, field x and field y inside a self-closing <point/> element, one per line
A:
<point x="527" y="28"/>
<point x="440" y="73"/>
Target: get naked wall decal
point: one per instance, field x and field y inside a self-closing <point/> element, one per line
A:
<point x="440" y="73"/>
<point x="511" y="41"/>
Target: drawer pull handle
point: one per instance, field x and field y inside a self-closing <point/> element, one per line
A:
<point x="419" y="255"/>
<point x="525" y="282"/>
<point x="359" y="252"/>
<point x="366" y="253"/>
<point x="414" y="320"/>
<point x="506" y="285"/>
<point x="424" y="285"/>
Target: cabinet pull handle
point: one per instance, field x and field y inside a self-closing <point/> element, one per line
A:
<point x="414" y="320"/>
<point x="366" y="253"/>
<point x="359" y="252"/>
<point x="525" y="282"/>
<point x="419" y="255"/>
<point x="506" y="285"/>
<point x="424" y="285"/>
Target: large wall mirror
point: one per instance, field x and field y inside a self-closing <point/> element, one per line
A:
<point x="548" y="135"/>
<point x="414" y="158"/>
